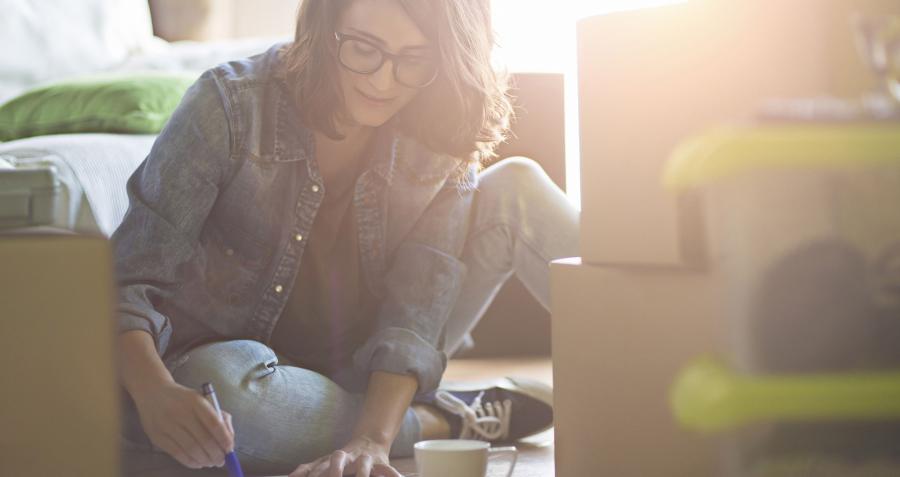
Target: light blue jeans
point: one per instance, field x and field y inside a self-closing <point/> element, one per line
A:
<point x="285" y="415"/>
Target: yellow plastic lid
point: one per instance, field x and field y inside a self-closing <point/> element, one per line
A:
<point x="728" y="152"/>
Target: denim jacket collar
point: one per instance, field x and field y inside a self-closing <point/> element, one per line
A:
<point x="283" y="136"/>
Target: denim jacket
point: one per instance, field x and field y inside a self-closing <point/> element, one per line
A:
<point x="220" y="209"/>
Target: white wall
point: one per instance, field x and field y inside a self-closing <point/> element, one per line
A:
<point x="221" y="19"/>
<point x="264" y="17"/>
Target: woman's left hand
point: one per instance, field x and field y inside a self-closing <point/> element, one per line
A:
<point x="361" y="456"/>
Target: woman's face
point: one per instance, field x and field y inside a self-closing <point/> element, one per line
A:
<point x="372" y="99"/>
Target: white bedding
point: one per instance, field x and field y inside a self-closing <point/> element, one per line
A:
<point x="153" y="55"/>
<point x="160" y="55"/>
<point x="93" y="168"/>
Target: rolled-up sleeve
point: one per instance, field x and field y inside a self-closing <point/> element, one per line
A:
<point x="402" y="351"/>
<point x="422" y="285"/>
<point x="170" y="196"/>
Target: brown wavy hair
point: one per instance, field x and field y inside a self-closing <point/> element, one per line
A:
<point x="465" y="113"/>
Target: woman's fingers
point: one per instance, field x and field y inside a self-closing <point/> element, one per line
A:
<point x="320" y="467"/>
<point x="208" y="441"/>
<point x="189" y="446"/>
<point x="230" y="427"/>
<point x="337" y="463"/>
<point x="197" y="440"/>
<point x="328" y="466"/>
<point x="303" y="470"/>
<point x="171" y="447"/>
<point x="364" y="466"/>
<point x="385" y="470"/>
<point x="214" y="426"/>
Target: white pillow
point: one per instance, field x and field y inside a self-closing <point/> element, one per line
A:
<point x="46" y="40"/>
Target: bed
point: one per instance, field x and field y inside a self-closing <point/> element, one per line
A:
<point x="58" y="40"/>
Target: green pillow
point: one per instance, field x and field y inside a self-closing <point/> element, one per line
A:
<point x="136" y="103"/>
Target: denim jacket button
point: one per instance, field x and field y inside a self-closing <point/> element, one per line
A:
<point x="315" y="187"/>
<point x="278" y="288"/>
<point x="298" y="237"/>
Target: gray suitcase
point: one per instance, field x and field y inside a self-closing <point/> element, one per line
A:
<point x="30" y="195"/>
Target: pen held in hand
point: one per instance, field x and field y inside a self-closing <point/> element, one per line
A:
<point x="231" y="460"/>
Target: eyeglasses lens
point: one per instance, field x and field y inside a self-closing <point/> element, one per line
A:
<point x="365" y="58"/>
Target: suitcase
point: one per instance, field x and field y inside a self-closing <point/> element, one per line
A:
<point x="31" y="194"/>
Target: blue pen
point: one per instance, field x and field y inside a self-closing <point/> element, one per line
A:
<point x="231" y="460"/>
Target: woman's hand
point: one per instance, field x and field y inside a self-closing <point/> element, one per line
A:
<point x="366" y="455"/>
<point x="178" y="420"/>
<point x="361" y="456"/>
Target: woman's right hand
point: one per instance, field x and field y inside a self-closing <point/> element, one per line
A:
<point x="178" y="420"/>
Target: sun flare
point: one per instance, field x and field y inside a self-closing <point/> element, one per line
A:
<point x="537" y="36"/>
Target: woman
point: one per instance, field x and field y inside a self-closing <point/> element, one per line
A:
<point x="311" y="234"/>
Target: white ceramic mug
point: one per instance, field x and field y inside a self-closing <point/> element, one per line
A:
<point x="459" y="458"/>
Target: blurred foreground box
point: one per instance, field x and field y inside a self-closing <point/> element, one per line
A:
<point x="620" y="335"/>
<point x="59" y="411"/>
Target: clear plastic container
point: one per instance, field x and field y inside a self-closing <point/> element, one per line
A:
<point x="804" y="221"/>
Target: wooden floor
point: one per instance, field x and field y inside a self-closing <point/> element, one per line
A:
<point x="536" y="453"/>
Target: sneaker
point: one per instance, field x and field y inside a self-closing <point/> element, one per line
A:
<point x="499" y="411"/>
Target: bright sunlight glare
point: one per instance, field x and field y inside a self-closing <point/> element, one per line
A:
<point x="539" y="36"/>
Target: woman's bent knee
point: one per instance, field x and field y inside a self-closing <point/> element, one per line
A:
<point x="225" y="363"/>
<point x="514" y="170"/>
<point x="513" y="179"/>
<point x="507" y="187"/>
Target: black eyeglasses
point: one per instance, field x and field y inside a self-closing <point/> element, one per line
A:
<point x="364" y="57"/>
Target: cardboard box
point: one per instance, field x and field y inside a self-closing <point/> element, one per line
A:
<point x="60" y="401"/>
<point x="619" y="338"/>
<point x="651" y="78"/>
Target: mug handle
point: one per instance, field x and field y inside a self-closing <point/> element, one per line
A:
<point x="510" y="452"/>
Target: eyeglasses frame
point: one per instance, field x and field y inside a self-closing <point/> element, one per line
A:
<point x="385" y="55"/>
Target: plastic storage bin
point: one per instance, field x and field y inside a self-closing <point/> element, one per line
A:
<point x="804" y="221"/>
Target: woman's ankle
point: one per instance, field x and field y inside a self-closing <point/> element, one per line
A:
<point x="434" y="424"/>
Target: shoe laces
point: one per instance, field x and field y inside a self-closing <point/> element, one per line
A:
<point x="487" y="421"/>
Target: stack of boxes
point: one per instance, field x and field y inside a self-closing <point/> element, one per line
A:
<point x="645" y="296"/>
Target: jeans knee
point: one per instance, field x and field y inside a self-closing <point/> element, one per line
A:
<point x="518" y="169"/>
<point x="514" y="175"/>
<point x="225" y="364"/>
<point x="506" y="186"/>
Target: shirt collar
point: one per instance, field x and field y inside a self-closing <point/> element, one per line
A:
<point x="283" y="135"/>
